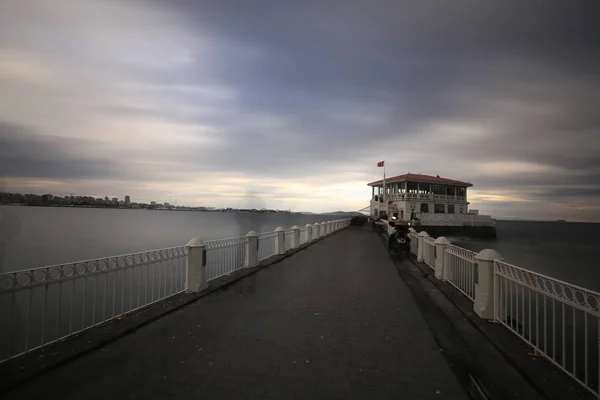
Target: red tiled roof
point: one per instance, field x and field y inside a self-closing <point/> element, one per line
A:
<point x="421" y="178"/>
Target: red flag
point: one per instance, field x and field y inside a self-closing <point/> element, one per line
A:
<point x="380" y="163"/>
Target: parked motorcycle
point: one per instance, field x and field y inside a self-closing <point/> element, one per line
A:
<point x="399" y="241"/>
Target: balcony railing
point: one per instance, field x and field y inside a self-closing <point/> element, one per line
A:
<point x="420" y="196"/>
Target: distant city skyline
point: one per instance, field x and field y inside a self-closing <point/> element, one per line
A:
<point x="204" y="102"/>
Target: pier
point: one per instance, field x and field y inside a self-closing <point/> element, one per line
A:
<point x="321" y="311"/>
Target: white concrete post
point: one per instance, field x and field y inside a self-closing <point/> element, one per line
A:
<point x="323" y="229"/>
<point x="413" y="230"/>
<point x="484" y="283"/>
<point x="329" y="227"/>
<point x="196" y="267"/>
<point x="308" y="233"/>
<point x="280" y="240"/>
<point x="252" y="249"/>
<point x="318" y="230"/>
<point x="420" y="257"/>
<point x="295" y="237"/>
<point x="440" y="248"/>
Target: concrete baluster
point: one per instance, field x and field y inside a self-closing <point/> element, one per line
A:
<point x="323" y="229"/>
<point x="279" y="241"/>
<point x="440" y="250"/>
<point x="295" y="237"/>
<point x="309" y="233"/>
<point x="484" y="283"/>
<point x="421" y="239"/>
<point x="196" y="266"/>
<point x="317" y="231"/>
<point x="251" y="250"/>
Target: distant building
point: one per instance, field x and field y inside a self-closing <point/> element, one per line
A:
<point x="127" y="201"/>
<point x="114" y="201"/>
<point x="166" y="205"/>
<point x="153" y="203"/>
<point x="106" y="200"/>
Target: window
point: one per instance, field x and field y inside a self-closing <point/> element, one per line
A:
<point x="439" y="209"/>
<point x="424" y="207"/>
<point x="462" y="191"/>
<point x="450" y="208"/>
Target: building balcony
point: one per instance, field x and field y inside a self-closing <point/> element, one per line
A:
<point x="421" y="196"/>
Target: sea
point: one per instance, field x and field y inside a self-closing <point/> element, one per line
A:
<point x="33" y="237"/>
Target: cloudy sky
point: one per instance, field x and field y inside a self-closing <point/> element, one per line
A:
<point x="203" y="102"/>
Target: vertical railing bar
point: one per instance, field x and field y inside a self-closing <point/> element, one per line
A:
<point x="131" y="275"/>
<point x="545" y="325"/>
<point x="516" y="308"/>
<point x="83" y="303"/>
<point x="71" y="306"/>
<point x="564" y="334"/>
<point x="553" y="328"/>
<point x="510" y="296"/>
<point x="524" y="332"/>
<point x="530" y="326"/>
<point x="59" y="306"/>
<point x="537" y="321"/>
<point x="28" y="319"/>
<point x="574" y="343"/>
<point x="44" y="313"/>
<point x="104" y="298"/>
<point x="114" y="302"/>
<point x="13" y="317"/>
<point x="585" y="341"/>
<point x="139" y="284"/>
<point x="95" y="280"/>
<point x="147" y="280"/>
<point x="123" y="291"/>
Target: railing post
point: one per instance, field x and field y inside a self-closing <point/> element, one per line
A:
<point x="440" y="249"/>
<point x="252" y="249"/>
<point x="421" y="236"/>
<point x="308" y="233"/>
<point x="280" y="240"/>
<point x="295" y="237"/>
<point x="323" y="229"/>
<point x="484" y="283"/>
<point x="318" y="232"/>
<point x="196" y="267"/>
<point x="329" y="227"/>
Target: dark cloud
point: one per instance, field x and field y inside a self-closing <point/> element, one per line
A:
<point x="27" y="154"/>
<point x="318" y="87"/>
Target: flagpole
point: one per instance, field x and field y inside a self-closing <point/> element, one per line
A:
<point x="384" y="192"/>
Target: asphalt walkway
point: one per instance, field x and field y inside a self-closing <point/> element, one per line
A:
<point x="332" y="321"/>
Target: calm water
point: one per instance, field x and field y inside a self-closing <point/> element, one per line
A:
<point x="566" y="251"/>
<point x="36" y="236"/>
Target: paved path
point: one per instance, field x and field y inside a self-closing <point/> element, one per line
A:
<point x="332" y="321"/>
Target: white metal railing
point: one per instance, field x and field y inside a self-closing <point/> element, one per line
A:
<point x="304" y="231"/>
<point x="267" y="245"/>
<point x="459" y="266"/>
<point x="414" y="243"/>
<point x="559" y="320"/>
<point x="429" y="251"/>
<point x="224" y="256"/>
<point x="43" y="305"/>
<point x="288" y="238"/>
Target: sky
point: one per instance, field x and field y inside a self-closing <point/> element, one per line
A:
<point x="292" y="104"/>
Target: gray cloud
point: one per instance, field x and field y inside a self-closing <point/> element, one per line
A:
<point x="319" y="89"/>
<point x="23" y="153"/>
